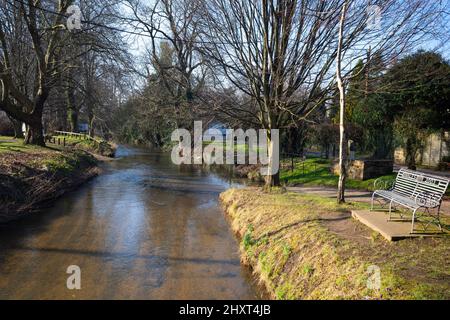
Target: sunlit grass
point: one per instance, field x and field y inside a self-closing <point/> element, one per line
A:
<point x="296" y="255"/>
<point x="53" y="159"/>
<point x="67" y="162"/>
<point x="316" y="172"/>
<point x="10" y="144"/>
<point x="78" y="139"/>
<point x="237" y="147"/>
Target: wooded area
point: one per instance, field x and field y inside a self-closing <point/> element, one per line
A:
<point x="136" y="70"/>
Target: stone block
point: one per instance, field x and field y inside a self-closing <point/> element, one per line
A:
<point x="366" y="169"/>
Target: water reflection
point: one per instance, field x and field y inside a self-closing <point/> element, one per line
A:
<point x="144" y="229"/>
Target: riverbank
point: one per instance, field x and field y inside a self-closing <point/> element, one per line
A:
<point x="95" y="146"/>
<point x="308" y="247"/>
<point x="31" y="176"/>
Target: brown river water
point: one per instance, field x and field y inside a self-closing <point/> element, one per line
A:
<point x="143" y="229"/>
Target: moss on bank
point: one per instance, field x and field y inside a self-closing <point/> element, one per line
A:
<point x="31" y="176"/>
<point x="96" y="146"/>
<point x="308" y="247"/>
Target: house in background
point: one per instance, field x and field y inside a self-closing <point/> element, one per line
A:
<point x="214" y="128"/>
<point x="83" y="127"/>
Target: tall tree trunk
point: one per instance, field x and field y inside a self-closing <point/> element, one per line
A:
<point x="17" y="126"/>
<point x="90" y="105"/>
<point x="35" y="129"/>
<point x="272" y="180"/>
<point x="35" y="132"/>
<point x="410" y="154"/>
<point x="442" y="139"/>
<point x="91" y="124"/>
<point x="91" y="116"/>
<point x="72" y="117"/>
<point x="383" y="143"/>
<point x="342" y="139"/>
<point x="72" y="112"/>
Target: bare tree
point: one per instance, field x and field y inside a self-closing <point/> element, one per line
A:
<point x="280" y="53"/>
<point x="172" y="25"/>
<point x="340" y="84"/>
<point x="103" y="62"/>
<point x="43" y="31"/>
<point x="40" y="54"/>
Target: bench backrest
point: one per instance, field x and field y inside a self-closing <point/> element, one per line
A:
<point x="413" y="183"/>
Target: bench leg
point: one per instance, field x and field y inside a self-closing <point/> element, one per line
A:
<point x="371" y="204"/>
<point x="390" y="210"/>
<point x="439" y="218"/>
<point x="413" y="218"/>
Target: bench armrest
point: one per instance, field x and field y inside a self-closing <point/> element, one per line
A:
<point x="429" y="199"/>
<point x="380" y="184"/>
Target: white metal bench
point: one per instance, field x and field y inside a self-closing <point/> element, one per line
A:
<point x="416" y="191"/>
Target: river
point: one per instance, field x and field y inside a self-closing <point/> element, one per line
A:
<point x="143" y="229"/>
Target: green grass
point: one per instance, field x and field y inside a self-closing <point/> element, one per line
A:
<point x="288" y="241"/>
<point x="9" y="144"/>
<point x="67" y="162"/>
<point x="316" y="172"/>
<point x="97" y="146"/>
<point x="74" y="140"/>
<point x="54" y="159"/>
<point x="237" y="147"/>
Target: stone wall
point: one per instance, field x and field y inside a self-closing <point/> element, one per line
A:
<point x="366" y="169"/>
<point x="436" y="147"/>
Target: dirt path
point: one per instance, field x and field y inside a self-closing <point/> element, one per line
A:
<point x="352" y="195"/>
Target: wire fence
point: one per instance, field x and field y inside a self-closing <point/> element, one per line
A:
<point x="60" y="138"/>
<point x="293" y="161"/>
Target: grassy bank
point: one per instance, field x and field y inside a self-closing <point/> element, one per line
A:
<point x="308" y="247"/>
<point x="96" y="146"/>
<point x="30" y="175"/>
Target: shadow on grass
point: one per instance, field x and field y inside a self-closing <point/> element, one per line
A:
<point x="297" y="223"/>
<point x="17" y="145"/>
<point x="317" y="172"/>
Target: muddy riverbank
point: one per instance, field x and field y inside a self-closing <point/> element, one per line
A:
<point x="32" y="177"/>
